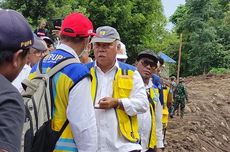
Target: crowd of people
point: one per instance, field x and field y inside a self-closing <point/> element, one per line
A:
<point x="111" y="106"/>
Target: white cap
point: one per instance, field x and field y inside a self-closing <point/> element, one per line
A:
<point x="122" y="55"/>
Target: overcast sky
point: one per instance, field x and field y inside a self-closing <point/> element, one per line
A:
<point x="170" y="7"/>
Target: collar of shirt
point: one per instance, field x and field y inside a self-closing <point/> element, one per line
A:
<point x="115" y="66"/>
<point x="149" y="85"/>
<point x="69" y="50"/>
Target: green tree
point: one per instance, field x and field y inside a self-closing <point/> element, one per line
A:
<point x="141" y="23"/>
<point x="204" y="35"/>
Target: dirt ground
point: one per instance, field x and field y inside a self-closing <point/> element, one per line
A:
<point x="206" y="124"/>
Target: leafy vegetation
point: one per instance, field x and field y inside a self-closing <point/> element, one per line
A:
<point x="219" y="71"/>
<point x="205" y="27"/>
<point x="141" y="23"/>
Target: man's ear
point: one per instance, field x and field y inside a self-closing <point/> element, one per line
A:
<point x="16" y="58"/>
<point x="135" y="63"/>
<point x="118" y="46"/>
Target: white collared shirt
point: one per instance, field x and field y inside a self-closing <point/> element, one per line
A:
<point x="80" y="112"/>
<point x="109" y="139"/>
<point x="145" y="124"/>
<point x="24" y="74"/>
<point x="68" y="49"/>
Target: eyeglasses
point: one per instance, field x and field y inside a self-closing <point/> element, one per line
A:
<point x="145" y="63"/>
<point x="38" y="53"/>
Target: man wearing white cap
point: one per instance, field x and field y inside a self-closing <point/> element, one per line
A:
<point x="121" y="52"/>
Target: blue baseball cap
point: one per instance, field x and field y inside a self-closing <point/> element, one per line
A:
<point x="15" y="32"/>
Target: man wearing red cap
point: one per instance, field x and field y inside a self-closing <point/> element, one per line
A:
<point x="70" y="91"/>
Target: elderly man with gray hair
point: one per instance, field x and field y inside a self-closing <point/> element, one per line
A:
<point x="118" y="95"/>
<point x="121" y="53"/>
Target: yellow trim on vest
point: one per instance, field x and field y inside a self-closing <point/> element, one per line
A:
<point x="165" y="113"/>
<point x="153" y="137"/>
<point x="122" y="86"/>
<point x="60" y="107"/>
<point x="93" y="84"/>
<point x="32" y="75"/>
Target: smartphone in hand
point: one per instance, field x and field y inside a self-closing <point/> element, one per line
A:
<point x="57" y="24"/>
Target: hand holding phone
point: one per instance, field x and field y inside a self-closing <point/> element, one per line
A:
<point x="57" y="24"/>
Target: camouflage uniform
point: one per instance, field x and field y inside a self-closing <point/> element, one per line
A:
<point x="180" y="96"/>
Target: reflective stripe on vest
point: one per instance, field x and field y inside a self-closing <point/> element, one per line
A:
<point x="65" y="145"/>
<point x="122" y="86"/>
<point x="62" y="83"/>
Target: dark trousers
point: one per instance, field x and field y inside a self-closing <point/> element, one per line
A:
<point x="135" y="151"/>
<point x="151" y="150"/>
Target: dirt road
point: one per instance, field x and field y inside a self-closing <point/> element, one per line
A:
<point x="206" y="125"/>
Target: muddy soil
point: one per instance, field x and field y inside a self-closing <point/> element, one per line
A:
<point x="206" y="124"/>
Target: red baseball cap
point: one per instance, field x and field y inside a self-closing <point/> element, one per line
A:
<point x="77" y="25"/>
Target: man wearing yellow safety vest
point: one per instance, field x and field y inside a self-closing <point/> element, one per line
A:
<point x="70" y="90"/>
<point x="167" y="98"/>
<point x="165" y="95"/>
<point x="150" y="125"/>
<point x="118" y="94"/>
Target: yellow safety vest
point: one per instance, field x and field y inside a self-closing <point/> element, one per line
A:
<point x="62" y="83"/>
<point x="122" y="86"/>
<point x="165" y="112"/>
<point x="153" y="137"/>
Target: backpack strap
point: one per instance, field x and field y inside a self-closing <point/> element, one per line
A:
<point x="63" y="127"/>
<point x="56" y="68"/>
<point x="59" y="66"/>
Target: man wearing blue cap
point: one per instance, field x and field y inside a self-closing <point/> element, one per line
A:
<point x="36" y="52"/>
<point x="15" y="39"/>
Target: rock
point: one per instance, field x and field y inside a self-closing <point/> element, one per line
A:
<point x="218" y="103"/>
<point x="225" y="138"/>
<point x="195" y="123"/>
<point x="189" y="139"/>
<point x="198" y="109"/>
<point x="202" y="126"/>
<point x="218" y="143"/>
<point x="208" y="134"/>
<point x="174" y="141"/>
<point x="222" y="124"/>
<point x="194" y="138"/>
<point x="193" y="109"/>
<point x="187" y="109"/>
<point x="203" y="149"/>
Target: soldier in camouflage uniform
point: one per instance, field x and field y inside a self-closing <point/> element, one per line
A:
<point x="180" y="96"/>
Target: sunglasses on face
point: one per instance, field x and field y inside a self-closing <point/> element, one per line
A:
<point x="122" y="60"/>
<point x="145" y="63"/>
